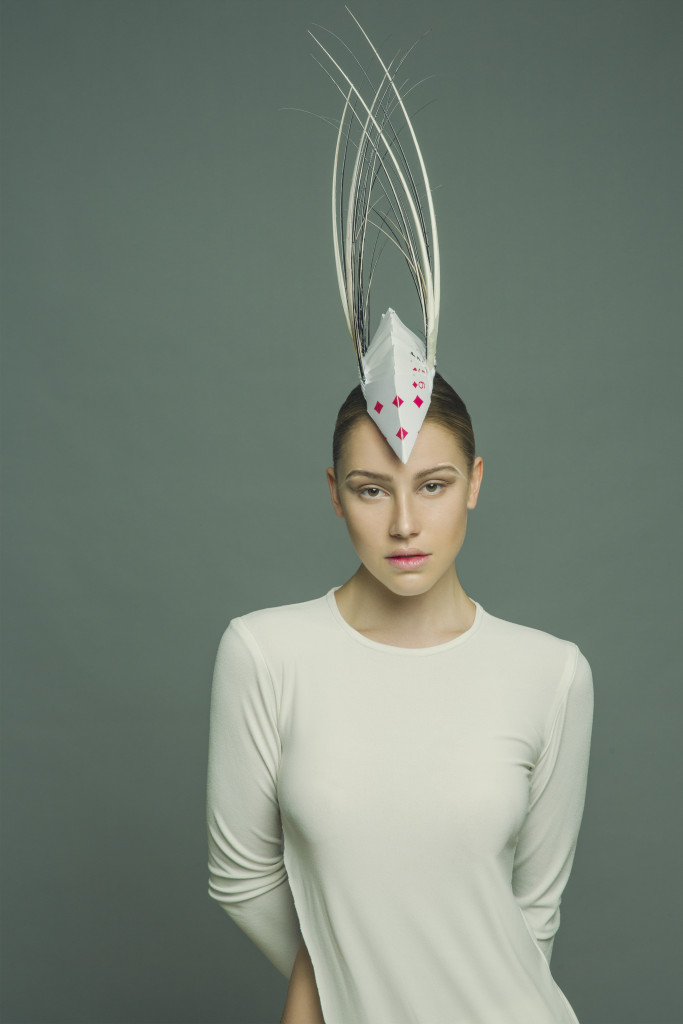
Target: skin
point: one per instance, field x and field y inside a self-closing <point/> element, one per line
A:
<point x="302" y="1005"/>
<point x="393" y="507"/>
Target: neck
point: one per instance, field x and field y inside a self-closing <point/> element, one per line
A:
<point x="419" y="620"/>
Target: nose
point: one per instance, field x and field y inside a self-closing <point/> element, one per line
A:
<point x="404" y="520"/>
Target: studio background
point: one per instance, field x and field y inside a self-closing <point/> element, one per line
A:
<point x="174" y="353"/>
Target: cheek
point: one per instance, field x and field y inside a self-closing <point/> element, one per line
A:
<point x="363" y="525"/>
<point x="452" y="521"/>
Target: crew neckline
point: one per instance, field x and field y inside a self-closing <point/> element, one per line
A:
<point x="393" y="648"/>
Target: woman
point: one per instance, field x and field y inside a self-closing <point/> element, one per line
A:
<point x="426" y="760"/>
<point x="397" y="778"/>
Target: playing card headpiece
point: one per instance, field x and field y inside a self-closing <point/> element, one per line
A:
<point x="376" y="200"/>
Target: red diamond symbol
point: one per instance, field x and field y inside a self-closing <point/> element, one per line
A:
<point x="418" y="401"/>
<point x="378" y="407"/>
<point x="415" y="384"/>
<point x="397" y="401"/>
<point x="401" y="433"/>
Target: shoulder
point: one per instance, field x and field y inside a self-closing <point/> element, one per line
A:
<point x="545" y="652"/>
<point x="283" y="618"/>
<point x="280" y="625"/>
<point x="254" y="647"/>
<point x="524" y="636"/>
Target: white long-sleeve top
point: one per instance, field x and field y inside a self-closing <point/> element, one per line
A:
<point x="413" y="813"/>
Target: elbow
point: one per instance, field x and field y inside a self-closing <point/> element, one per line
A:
<point x="546" y="947"/>
<point x="233" y="889"/>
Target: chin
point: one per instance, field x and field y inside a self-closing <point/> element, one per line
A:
<point x="408" y="585"/>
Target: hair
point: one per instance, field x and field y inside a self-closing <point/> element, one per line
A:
<point x="446" y="407"/>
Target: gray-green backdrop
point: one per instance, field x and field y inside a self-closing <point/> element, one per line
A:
<point x="174" y="352"/>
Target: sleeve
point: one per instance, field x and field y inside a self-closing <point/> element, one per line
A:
<point x="247" y="875"/>
<point x="547" y="840"/>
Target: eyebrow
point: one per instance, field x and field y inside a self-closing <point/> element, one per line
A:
<point x="418" y="476"/>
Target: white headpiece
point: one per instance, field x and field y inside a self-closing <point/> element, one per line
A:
<point x="396" y="367"/>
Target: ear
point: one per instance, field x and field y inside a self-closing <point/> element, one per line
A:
<point x="334" y="493"/>
<point x="475" y="482"/>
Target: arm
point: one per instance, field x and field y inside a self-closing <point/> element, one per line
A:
<point x="547" y="841"/>
<point x="302" y="1005"/>
<point x="247" y="876"/>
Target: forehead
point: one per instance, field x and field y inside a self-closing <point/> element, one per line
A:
<point x="366" y="448"/>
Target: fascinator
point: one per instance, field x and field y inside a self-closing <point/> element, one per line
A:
<point x="378" y="199"/>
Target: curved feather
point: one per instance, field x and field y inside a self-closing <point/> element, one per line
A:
<point x="376" y="194"/>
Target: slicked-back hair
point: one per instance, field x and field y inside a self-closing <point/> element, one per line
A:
<point x="446" y="407"/>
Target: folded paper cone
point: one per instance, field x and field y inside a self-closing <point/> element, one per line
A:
<point x="398" y="383"/>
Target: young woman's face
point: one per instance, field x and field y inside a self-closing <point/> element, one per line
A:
<point x="407" y="521"/>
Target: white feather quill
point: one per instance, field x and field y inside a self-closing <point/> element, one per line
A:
<point x="380" y="203"/>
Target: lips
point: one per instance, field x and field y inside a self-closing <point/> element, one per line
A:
<point x="408" y="559"/>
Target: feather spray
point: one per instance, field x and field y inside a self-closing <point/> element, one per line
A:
<point x="376" y="201"/>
